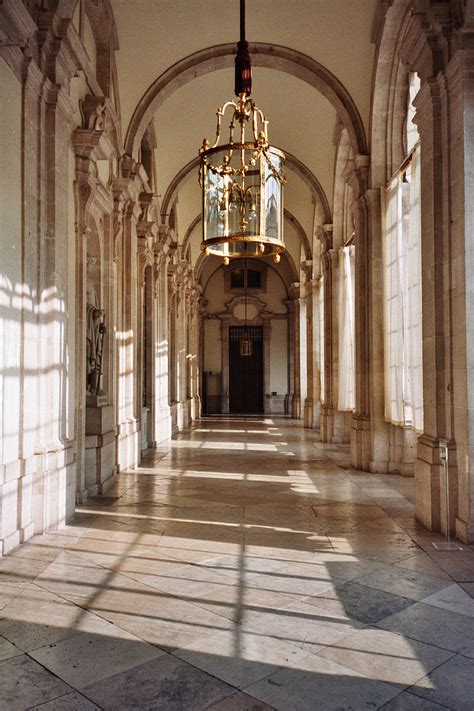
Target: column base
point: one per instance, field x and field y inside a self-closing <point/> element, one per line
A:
<point x="427" y="483"/>
<point x="361" y="442"/>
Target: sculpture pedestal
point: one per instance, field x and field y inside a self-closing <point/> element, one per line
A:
<point x="100" y="445"/>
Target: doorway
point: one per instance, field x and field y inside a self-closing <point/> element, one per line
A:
<point x="246" y="371"/>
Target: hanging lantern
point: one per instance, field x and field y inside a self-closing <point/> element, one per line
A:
<point x="242" y="180"/>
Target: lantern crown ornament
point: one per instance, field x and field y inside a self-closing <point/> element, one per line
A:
<point x="242" y="180"/>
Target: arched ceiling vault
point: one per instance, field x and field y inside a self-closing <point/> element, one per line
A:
<point x="272" y="56"/>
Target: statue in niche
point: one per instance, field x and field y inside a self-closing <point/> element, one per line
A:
<point x="95" y="332"/>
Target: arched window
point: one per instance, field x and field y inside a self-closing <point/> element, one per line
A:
<point x="402" y="281"/>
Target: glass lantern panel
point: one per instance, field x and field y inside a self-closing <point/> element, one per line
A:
<point x="213" y="185"/>
<point x="273" y="197"/>
<point x="231" y="202"/>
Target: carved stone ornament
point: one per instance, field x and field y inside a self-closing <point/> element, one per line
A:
<point x="93" y="112"/>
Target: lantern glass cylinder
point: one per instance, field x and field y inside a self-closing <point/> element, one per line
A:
<point x="243" y="213"/>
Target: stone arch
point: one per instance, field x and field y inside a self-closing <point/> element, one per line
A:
<point x="343" y="192"/>
<point x="286" y="260"/>
<point x="390" y="89"/>
<point x="263" y="54"/>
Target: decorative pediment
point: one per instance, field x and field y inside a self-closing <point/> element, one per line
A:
<point x="249" y="308"/>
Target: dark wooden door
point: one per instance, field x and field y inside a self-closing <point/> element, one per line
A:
<point x="246" y="372"/>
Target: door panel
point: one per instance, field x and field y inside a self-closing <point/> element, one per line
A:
<point x="246" y="372"/>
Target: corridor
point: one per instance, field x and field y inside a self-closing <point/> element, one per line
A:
<point x="247" y="568"/>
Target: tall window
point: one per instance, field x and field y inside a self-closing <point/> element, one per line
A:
<point x="402" y="285"/>
<point x="321" y="340"/>
<point x="346" y="296"/>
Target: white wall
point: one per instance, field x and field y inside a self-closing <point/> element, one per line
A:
<point x="10" y="264"/>
<point x="279" y="357"/>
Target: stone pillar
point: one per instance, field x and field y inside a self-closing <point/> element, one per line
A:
<point x="371" y="210"/>
<point x="183" y="304"/>
<point x="162" y="419"/>
<point x="129" y="408"/>
<point x="427" y="466"/>
<point x="194" y="355"/>
<point x="312" y="402"/>
<point x="290" y="305"/>
<point x="327" y="405"/>
<point x="296" y="348"/>
<point x="267" y="340"/>
<point x="225" y="404"/>
<point x="56" y="317"/>
<point x="361" y="449"/>
<point x="172" y="317"/>
<point x="459" y="387"/>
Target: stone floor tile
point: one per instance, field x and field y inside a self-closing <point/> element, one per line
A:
<point x="433" y="625"/>
<point x="186" y="580"/>
<point x="36" y="618"/>
<point x="166" y="683"/>
<point x="422" y="563"/>
<point x="359" y="602"/>
<point x="195" y="540"/>
<point x="240" y="656"/>
<point x="7" y="649"/>
<point x="468" y="588"/>
<point x="459" y="565"/>
<point x="20" y="570"/>
<point x="451" y="684"/>
<point x="409" y="702"/>
<point x="406" y="583"/>
<point x="452" y="598"/>
<point x="321" y="684"/>
<point x="239" y="601"/>
<point x="24" y="683"/>
<point x="306" y="626"/>
<point x="87" y="658"/>
<point x="291" y="580"/>
<point x="244" y="565"/>
<point x="69" y="702"/>
<point x="240" y="702"/>
<point x="168" y="622"/>
<point x="386" y="656"/>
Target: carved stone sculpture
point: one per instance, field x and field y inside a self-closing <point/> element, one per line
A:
<point x="95" y="343"/>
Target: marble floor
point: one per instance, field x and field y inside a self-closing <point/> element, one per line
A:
<point x="248" y="568"/>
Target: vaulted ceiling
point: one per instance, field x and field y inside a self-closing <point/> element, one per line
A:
<point x="323" y="76"/>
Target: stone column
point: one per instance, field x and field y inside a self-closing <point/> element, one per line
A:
<point x="361" y="449"/>
<point x="290" y="305"/>
<point x="182" y="353"/>
<point x="427" y="466"/>
<point x="374" y="379"/>
<point x="225" y="405"/>
<point x="196" y="368"/>
<point x="327" y="405"/>
<point x="172" y="316"/>
<point x="338" y="418"/>
<point x="312" y="403"/>
<point x="296" y="342"/>
<point x="459" y="385"/>
<point x="267" y="340"/>
<point x="162" y="421"/>
<point x="128" y="427"/>
<point x="460" y="80"/>
<point x="54" y="310"/>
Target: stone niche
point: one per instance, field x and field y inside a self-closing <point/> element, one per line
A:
<point x="100" y="455"/>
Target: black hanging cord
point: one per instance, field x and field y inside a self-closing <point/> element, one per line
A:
<point x="243" y="66"/>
